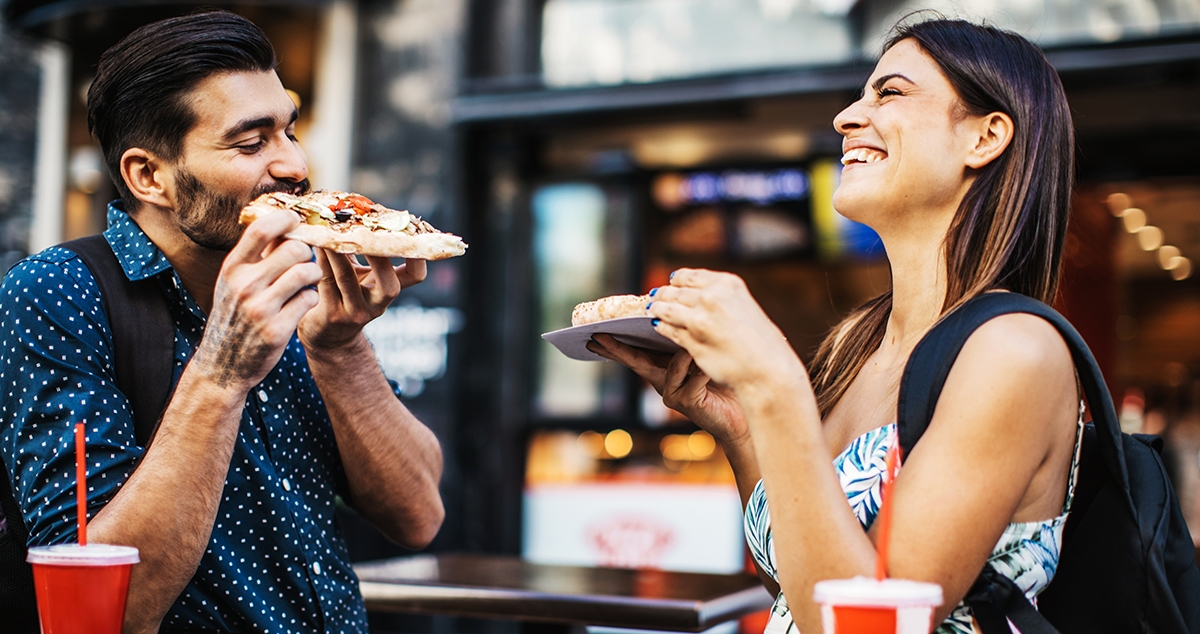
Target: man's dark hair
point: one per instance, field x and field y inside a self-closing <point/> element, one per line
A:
<point x="139" y="96"/>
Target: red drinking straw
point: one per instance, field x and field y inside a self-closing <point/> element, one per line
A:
<point x="885" y="512"/>
<point x="80" y="484"/>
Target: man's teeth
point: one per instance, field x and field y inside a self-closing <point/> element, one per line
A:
<point x="862" y="155"/>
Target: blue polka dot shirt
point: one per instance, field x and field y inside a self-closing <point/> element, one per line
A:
<point x="277" y="560"/>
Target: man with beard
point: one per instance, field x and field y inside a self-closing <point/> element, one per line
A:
<point x="279" y="404"/>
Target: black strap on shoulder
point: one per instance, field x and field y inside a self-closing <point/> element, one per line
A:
<point x="143" y="334"/>
<point x="934" y="356"/>
<point x="995" y="599"/>
<point x="143" y="356"/>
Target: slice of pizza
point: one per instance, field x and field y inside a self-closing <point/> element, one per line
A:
<point x="351" y="223"/>
<point x="611" y="307"/>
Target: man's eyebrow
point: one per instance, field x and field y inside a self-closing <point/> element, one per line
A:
<point x="255" y="123"/>
<point x="878" y="85"/>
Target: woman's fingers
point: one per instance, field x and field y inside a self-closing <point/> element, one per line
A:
<point x="677" y="370"/>
<point x="650" y="366"/>
<point x="676" y="294"/>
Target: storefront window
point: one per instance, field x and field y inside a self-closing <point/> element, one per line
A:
<point x="599" y="42"/>
<point x="1048" y="22"/>
<point x="569" y="240"/>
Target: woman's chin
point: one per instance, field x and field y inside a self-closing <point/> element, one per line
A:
<point x="852" y="207"/>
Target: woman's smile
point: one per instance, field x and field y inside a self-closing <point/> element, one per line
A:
<point x="862" y="156"/>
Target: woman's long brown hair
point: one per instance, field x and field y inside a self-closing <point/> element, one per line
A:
<point x="1009" y="228"/>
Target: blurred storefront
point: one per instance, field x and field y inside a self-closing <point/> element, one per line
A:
<point x="604" y="144"/>
<point x="589" y="147"/>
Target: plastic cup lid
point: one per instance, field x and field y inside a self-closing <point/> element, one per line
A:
<point x="76" y="555"/>
<point x="868" y="592"/>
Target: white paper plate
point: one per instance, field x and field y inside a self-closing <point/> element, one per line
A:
<point x="633" y="331"/>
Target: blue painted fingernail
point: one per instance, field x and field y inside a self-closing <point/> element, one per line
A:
<point x="653" y="292"/>
<point x="672" y="275"/>
<point x="649" y="305"/>
<point x="654" y="322"/>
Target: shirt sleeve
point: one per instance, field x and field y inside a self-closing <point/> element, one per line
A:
<point x="57" y="353"/>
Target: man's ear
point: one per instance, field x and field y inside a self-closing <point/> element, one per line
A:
<point x="995" y="132"/>
<point x="148" y="177"/>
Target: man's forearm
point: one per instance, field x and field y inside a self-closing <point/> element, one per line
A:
<point x="168" y="506"/>
<point x="393" y="462"/>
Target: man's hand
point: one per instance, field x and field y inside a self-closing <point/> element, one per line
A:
<point x="261" y="295"/>
<point x="352" y="295"/>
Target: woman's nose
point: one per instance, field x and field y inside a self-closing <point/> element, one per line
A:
<point x="852" y="118"/>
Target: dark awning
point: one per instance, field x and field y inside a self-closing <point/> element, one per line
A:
<point x="40" y="16"/>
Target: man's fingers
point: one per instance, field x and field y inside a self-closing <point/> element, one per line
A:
<point x="283" y="255"/>
<point x="345" y="280"/>
<point x="296" y="278"/>
<point x="412" y="272"/>
<point x="258" y="237"/>
<point x="299" y="304"/>
<point x="387" y="283"/>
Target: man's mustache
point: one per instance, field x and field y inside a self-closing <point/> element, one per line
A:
<point x="296" y="188"/>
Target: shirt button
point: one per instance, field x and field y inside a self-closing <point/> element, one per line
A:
<point x="287" y="486"/>
<point x="262" y="395"/>
<point x="316" y="567"/>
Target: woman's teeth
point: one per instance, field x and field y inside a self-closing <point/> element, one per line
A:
<point x="862" y="155"/>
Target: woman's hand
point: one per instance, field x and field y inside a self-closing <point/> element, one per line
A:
<point x="713" y="316"/>
<point x="684" y="388"/>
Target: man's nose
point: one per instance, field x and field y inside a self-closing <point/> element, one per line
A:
<point x="290" y="162"/>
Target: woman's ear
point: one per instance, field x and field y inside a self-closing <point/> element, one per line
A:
<point x="995" y="132"/>
<point x="148" y="177"/>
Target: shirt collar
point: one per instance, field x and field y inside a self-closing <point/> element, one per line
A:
<point x="139" y="257"/>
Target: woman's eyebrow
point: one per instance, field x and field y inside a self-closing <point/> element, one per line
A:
<point x="878" y="85"/>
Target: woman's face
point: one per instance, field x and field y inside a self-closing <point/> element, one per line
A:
<point x="905" y="146"/>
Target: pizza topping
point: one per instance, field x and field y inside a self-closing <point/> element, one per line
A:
<point x="390" y="220"/>
<point x="351" y="223"/>
<point x="351" y="209"/>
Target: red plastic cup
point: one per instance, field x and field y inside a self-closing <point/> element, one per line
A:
<point x="863" y="605"/>
<point x="82" y="589"/>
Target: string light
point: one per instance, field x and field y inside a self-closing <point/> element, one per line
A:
<point x="1149" y="237"/>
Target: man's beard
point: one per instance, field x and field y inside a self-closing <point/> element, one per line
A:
<point x="210" y="218"/>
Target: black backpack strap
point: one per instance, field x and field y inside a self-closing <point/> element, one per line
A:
<point x="934" y="356"/>
<point x="143" y="334"/>
<point x="994" y="599"/>
<point x="143" y="358"/>
<point x="17" y="600"/>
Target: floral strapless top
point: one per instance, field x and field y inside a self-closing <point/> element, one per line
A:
<point x="1027" y="552"/>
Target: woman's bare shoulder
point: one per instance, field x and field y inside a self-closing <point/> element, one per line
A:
<point x="1019" y="341"/>
<point x="1009" y="363"/>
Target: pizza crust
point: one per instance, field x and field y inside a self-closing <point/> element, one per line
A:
<point x="358" y="239"/>
<point x="611" y="307"/>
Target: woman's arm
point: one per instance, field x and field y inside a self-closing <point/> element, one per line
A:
<point x="985" y="460"/>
